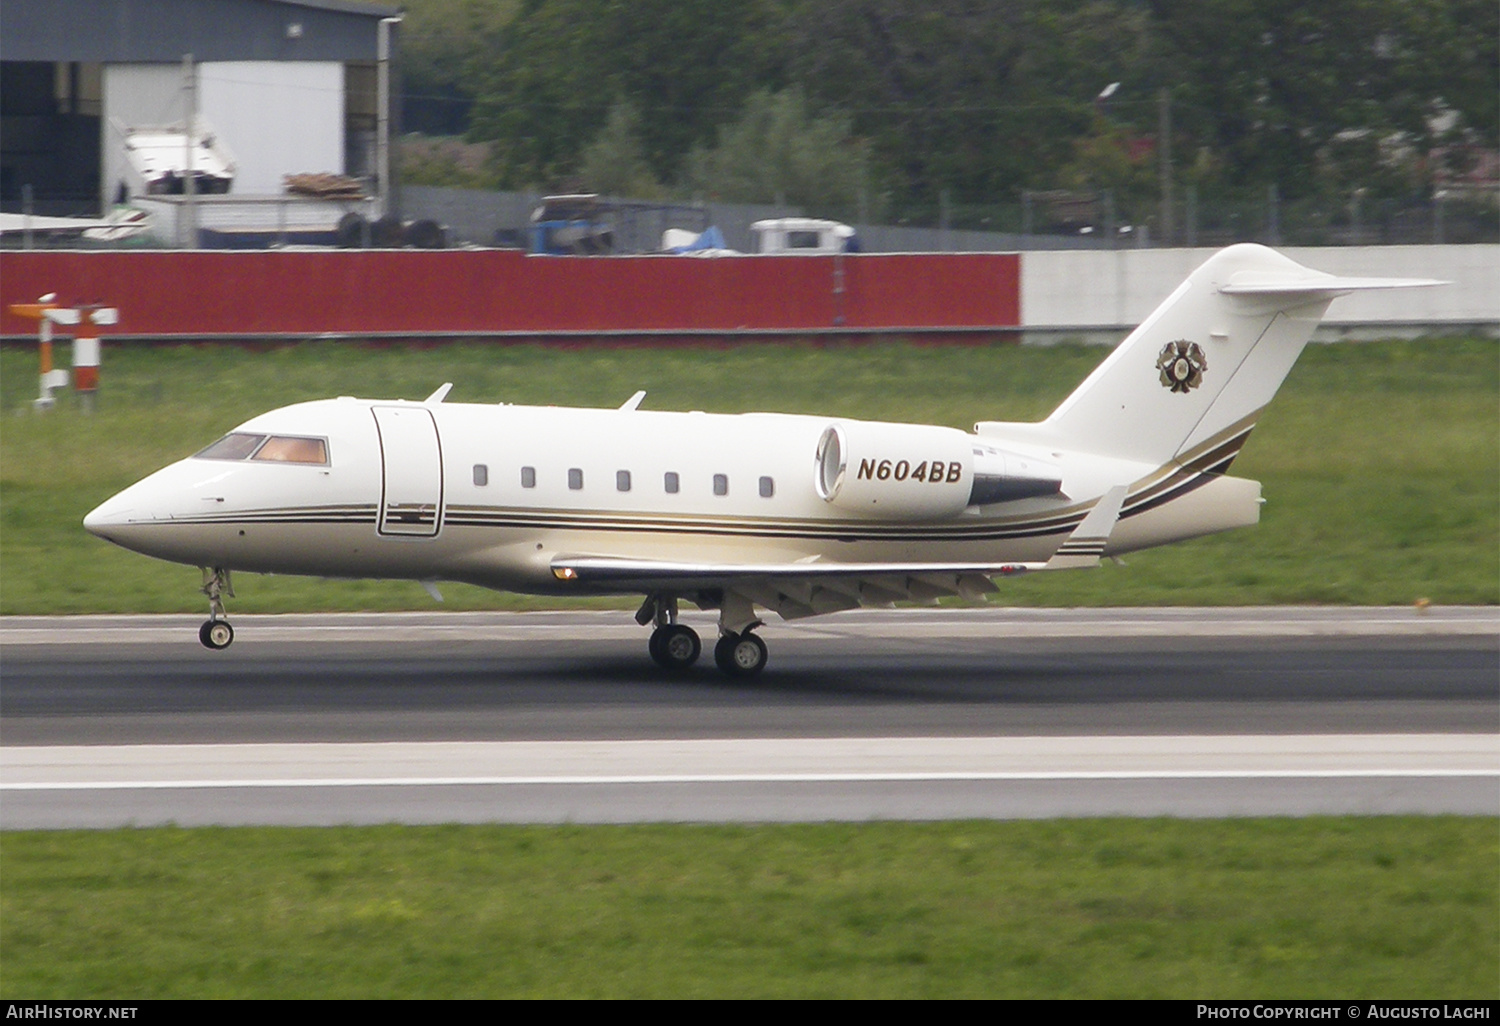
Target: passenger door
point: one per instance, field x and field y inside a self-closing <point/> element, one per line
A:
<point x="411" y="458"/>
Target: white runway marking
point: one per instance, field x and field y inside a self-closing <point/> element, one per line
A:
<point x="988" y="622"/>
<point x="753" y="760"/>
<point x="831" y="778"/>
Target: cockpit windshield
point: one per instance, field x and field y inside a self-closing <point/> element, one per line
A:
<point x="286" y="449"/>
<point x="241" y="445"/>
<point x="233" y="446"/>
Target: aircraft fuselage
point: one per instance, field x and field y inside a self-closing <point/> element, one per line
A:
<point x="492" y="495"/>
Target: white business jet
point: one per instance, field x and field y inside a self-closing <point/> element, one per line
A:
<point x="797" y="514"/>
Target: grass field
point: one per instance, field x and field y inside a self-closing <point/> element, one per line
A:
<point x="1312" y="908"/>
<point x="1381" y="461"/>
<point x="1382" y="469"/>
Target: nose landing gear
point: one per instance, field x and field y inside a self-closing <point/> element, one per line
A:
<point x="216" y="633"/>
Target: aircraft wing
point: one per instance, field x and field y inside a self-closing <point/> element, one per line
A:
<point x="121" y="225"/>
<point x="796" y="590"/>
<point x="12" y="224"/>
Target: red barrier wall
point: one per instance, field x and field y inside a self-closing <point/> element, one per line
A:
<point x="168" y="294"/>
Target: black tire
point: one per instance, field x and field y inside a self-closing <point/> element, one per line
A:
<point x="350" y="232"/>
<point x="426" y="234"/>
<point x="741" y="655"/>
<point x="386" y="233"/>
<point x="675" y="646"/>
<point x="216" y="634"/>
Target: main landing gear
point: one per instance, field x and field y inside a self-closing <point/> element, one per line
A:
<point x="741" y="655"/>
<point x="676" y="646"/>
<point x="216" y="632"/>
<point x="740" y="652"/>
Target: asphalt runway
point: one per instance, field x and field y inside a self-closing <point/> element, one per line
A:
<point x="551" y="717"/>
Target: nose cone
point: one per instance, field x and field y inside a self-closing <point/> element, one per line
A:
<point x="107" y="517"/>
<point x="118" y="519"/>
<point x="135" y="517"/>
<point x="169" y="515"/>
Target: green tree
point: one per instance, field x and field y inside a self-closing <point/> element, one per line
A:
<point x="978" y="97"/>
<point x="1113" y="157"/>
<point x="615" y="162"/>
<point x="441" y="43"/>
<point x="778" y="151"/>
<point x="1319" y="98"/>
<point x="561" y="65"/>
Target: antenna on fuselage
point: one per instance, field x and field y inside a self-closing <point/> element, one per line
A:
<point x="440" y="394"/>
<point x="634" y="401"/>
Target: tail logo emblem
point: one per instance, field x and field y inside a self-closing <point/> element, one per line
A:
<point x="1182" y="365"/>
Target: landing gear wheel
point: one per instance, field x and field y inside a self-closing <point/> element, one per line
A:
<point x="740" y="655"/>
<point x="216" y="634"/>
<point x="675" y="646"/>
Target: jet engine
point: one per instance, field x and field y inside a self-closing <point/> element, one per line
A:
<point x="894" y="471"/>
<point x="915" y="472"/>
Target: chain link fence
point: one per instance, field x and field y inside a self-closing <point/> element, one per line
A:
<point x="1075" y="219"/>
<point x="1050" y="219"/>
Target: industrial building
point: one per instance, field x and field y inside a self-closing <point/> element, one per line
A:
<point x="275" y="87"/>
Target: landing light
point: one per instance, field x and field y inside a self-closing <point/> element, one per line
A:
<point x="565" y="573"/>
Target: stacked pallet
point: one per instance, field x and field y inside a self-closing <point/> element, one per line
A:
<point x="324" y="185"/>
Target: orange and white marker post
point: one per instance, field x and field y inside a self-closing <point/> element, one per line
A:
<point x="47" y="312"/>
<point x="86" y="352"/>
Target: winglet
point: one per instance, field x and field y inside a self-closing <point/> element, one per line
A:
<point x="1086" y="544"/>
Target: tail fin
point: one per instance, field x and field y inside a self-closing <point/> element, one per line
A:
<point x="1189" y="383"/>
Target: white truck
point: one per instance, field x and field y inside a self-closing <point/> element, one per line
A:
<point x="781" y="236"/>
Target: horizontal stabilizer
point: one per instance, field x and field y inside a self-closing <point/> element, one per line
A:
<point x="1251" y="283"/>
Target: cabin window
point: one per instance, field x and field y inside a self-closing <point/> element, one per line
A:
<point x="575" y="478"/>
<point x="802" y="240"/>
<point x="767" y="488"/>
<point x="234" y="446"/>
<point x="622" y="480"/>
<point x="528" y="477"/>
<point x="286" y="449"/>
<point x="721" y="484"/>
<point x="672" y="482"/>
<point x="481" y="474"/>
